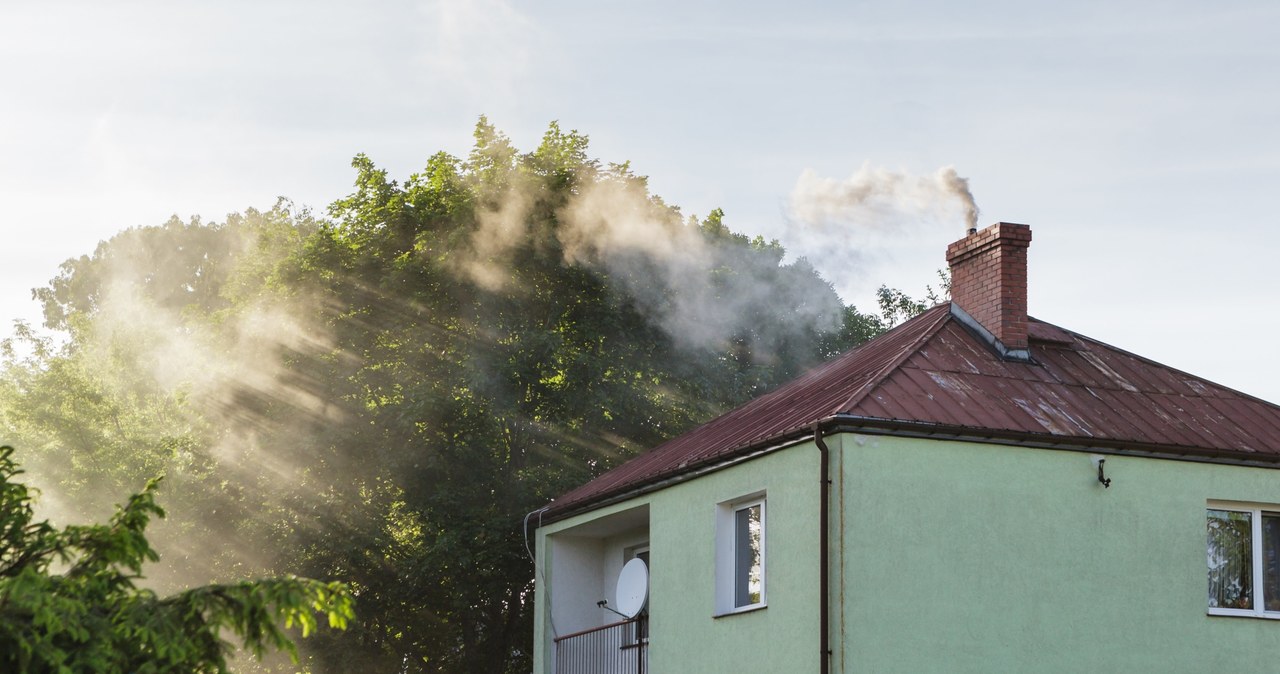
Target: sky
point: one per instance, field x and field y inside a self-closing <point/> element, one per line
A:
<point x="1138" y="139"/>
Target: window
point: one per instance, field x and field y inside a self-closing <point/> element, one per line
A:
<point x="639" y="632"/>
<point x="1244" y="560"/>
<point x="640" y="552"/>
<point x="740" y="555"/>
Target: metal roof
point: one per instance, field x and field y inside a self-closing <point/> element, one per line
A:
<point x="934" y="372"/>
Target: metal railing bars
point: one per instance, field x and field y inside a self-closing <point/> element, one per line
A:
<point x="616" y="648"/>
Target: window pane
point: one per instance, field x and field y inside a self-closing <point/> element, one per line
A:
<point x="642" y="620"/>
<point x="1271" y="561"/>
<point x="748" y="581"/>
<point x="1230" y="559"/>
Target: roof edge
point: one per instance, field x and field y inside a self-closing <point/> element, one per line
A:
<point x="847" y="423"/>
<point x="691" y="471"/>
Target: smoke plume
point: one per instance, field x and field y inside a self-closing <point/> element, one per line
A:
<point x="861" y="230"/>
<point x="881" y="199"/>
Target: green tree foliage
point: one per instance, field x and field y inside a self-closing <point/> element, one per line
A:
<point x="103" y="435"/>
<point x="383" y="394"/>
<point x="69" y="601"/>
<point x="897" y="306"/>
<point x="161" y="369"/>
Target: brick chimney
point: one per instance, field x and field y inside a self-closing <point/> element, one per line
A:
<point x="989" y="283"/>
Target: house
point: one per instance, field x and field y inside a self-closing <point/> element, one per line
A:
<point x="973" y="491"/>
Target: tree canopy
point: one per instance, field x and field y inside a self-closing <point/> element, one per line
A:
<point x="69" y="602"/>
<point x="381" y="394"/>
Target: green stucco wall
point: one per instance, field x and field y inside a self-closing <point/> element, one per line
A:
<point x="964" y="557"/>
<point x="955" y="557"/>
<point x="780" y="638"/>
<point x="685" y="635"/>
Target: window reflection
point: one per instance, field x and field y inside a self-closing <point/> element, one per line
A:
<point x="749" y="576"/>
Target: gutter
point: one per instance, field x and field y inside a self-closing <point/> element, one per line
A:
<point x="824" y="548"/>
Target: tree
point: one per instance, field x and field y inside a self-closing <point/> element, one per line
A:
<point x="69" y="601"/>
<point x="897" y="306"/>
<point x="171" y="344"/>
<point x="440" y="357"/>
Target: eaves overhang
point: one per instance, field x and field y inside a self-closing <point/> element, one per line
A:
<point x="847" y="423"/>
<point x="685" y="473"/>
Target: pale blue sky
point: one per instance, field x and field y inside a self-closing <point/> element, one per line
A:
<point x="1139" y="139"/>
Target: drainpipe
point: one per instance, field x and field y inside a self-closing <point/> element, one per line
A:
<point x="823" y="547"/>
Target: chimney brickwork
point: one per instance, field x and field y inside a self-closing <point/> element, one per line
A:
<point x="989" y="280"/>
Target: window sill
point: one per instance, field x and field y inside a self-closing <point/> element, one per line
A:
<point x="1241" y="613"/>
<point x="740" y="610"/>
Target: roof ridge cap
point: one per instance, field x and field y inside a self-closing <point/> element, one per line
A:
<point x="904" y="353"/>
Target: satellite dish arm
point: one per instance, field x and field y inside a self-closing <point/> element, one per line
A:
<point x="604" y="604"/>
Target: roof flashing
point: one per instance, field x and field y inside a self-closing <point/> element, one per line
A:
<point x="986" y="337"/>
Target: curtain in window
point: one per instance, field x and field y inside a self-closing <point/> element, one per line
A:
<point x="1271" y="561"/>
<point x="1230" y="548"/>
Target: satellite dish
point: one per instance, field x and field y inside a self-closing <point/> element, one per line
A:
<point x="633" y="588"/>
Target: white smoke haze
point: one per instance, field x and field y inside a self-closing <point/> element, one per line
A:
<point x="231" y="378"/>
<point x="855" y="228"/>
<point x="498" y="230"/>
<point x="701" y="293"/>
<point x="210" y="367"/>
<point x="611" y="218"/>
<point x="646" y="249"/>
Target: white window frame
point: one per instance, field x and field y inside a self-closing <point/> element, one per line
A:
<point x="631" y="552"/>
<point x="636" y="634"/>
<point x="726" y="553"/>
<point x="1255" y="510"/>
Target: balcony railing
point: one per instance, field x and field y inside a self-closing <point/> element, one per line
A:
<point x="617" y="648"/>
